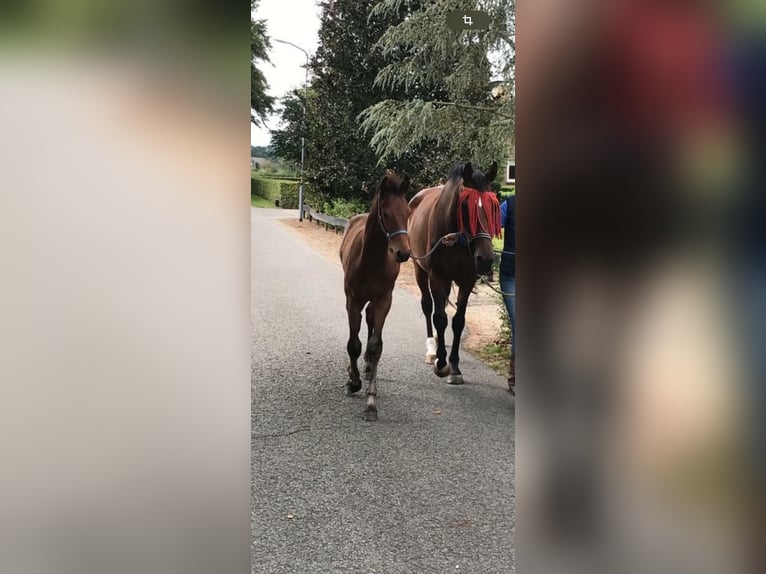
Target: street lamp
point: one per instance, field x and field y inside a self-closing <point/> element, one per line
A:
<point x="305" y="122"/>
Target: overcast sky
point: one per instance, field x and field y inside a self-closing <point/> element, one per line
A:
<point x="295" y="21"/>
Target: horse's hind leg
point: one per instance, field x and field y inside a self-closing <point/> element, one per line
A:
<point x="375" y="350"/>
<point x="370" y="329"/>
<point x="354" y="345"/>
<point x="458" y="323"/>
<point x="427" y="305"/>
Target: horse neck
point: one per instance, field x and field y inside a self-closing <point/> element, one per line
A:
<point x="375" y="241"/>
<point x="446" y="208"/>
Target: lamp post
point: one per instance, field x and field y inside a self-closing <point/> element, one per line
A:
<point x="305" y="122"/>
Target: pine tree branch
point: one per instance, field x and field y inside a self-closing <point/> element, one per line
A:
<point x="460" y="106"/>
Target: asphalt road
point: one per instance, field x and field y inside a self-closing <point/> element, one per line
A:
<point x="429" y="487"/>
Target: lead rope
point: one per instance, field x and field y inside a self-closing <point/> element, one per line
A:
<point x="483" y="279"/>
<point x="447" y="240"/>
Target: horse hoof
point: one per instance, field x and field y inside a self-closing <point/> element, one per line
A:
<point x="443" y="372"/>
<point x="352" y="388"/>
<point x="455" y="380"/>
<point x="370" y="415"/>
<point x="430" y="359"/>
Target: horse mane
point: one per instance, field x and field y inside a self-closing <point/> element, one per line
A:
<point x="455" y="174"/>
<point x="375" y="196"/>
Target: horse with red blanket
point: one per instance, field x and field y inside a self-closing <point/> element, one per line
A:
<point x="453" y="226"/>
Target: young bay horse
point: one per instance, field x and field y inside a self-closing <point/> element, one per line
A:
<point x="374" y="245"/>
<point x="452" y="226"/>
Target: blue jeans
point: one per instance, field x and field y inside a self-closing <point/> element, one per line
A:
<point x="752" y="306"/>
<point x="508" y="285"/>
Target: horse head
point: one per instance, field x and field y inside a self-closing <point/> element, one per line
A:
<point x="479" y="214"/>
<point x="393" y="212"/>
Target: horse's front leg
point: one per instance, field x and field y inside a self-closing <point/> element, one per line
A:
<point x="381" y="307"/>
<point x="458" y="323"/>
<point x="370" y="330"/>
<point x="440" y="290"/>
<point x="354" y="345"/>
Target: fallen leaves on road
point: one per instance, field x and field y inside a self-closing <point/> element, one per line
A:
<point x="437" y="411"/>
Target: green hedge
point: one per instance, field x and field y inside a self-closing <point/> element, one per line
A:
<point x="288" y="194"/>
<point x="284" y="190"/>
<point x="265" y="188"/>
<point x="268" y="174"/>
<point x="280" y="176"/>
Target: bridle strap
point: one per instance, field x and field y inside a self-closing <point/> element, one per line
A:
<point x="479" y="236"/>
<point x="388" y="235"/>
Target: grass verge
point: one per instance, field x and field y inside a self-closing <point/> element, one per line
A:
<point x="496" y="356"/>
<point x="257" y="201"/>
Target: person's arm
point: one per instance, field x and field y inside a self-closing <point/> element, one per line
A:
<point x="503" y="212"/>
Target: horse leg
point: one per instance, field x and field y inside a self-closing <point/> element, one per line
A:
<point x="458" y="323"/>
<point x="370" y="329"/>
<point x="354" y="345"/>
<point x="375" y="350"/>
<point x="440" y="290"/>
<point x="427" y="305"/>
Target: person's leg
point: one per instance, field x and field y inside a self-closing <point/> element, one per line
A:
<point x="508" y="287"/>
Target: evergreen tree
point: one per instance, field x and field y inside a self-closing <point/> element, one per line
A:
<point x="261" y="103"/>
<point x="341" y="162"/>
<point x="444" y="102"/>
<point x="393" y="87"/>
<point x="286" y="141"/>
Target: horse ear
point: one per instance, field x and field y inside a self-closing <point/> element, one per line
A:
<point x="467" y="172"/>
<point x="492" y="173"/>
<point x="405" y="185"/>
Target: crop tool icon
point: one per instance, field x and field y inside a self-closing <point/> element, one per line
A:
<point x="467" y="20"/>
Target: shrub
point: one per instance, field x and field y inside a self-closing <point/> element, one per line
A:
<point x="311" y="197"/>
<point x="288" y="194"/>
<point x="504" y="335"/>
<point x="344" y="208"/>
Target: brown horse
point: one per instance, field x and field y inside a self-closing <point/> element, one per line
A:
<point x="452" y="226"/>
<point x="374" y="245"/>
